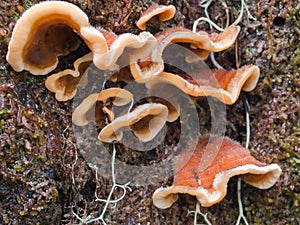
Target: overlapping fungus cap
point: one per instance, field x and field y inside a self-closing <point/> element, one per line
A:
<point x="107" y="47"/>
<point x="163" y="12"/>
<point x="148" y="68"/>
<point x="206" y="173"/>
<point x="44" y="32"/>
<point x="224" y="85"/>
<point x="64" y="84"/>
<point x="145" y="121"/>
<point x="118" y="96"/>
<point x="168" y="97"/>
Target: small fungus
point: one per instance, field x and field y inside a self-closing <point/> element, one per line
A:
<point x="107" y="47"/>
<point x="145" y="69"/>
<point x="64" y="84"/>
<point x="163" y="12"/>
<point x="209" y="183"/>
<point x="168" y="97"/>
<point x="221" y="84"/>
<point x="55" y="28"/>
<point x="118" y="97"/>
<point x="145" y="121"/>
<point x="44" y="32"/>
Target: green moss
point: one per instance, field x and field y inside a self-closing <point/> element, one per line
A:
<point x="23" y="213"/>
<point x="18" y="168"/>
<point x="6" y="220"/>
<point x="2" y="123"/>
<point x="27" y="5"/>
<point x="34" y="213"/>
<point x="3" y="111"/>
<point x="296" y="57"/>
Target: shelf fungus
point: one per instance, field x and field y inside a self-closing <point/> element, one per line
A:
<point x="107" y="47"/>
<point x="163" y="12"/>
<point x="145" y="121"/>
<point x="168" y="97"/>
<point x="209" y="182"/>
<point x="96" y="107"/>
<point x="64" y="84"/>
<point x="145" y="69"/>
<point x="44" y="32"/>
<point x="224" y="85"/>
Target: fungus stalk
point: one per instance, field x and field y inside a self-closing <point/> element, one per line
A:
<point x="109" y="199"/>
<point x="240" y="203"/>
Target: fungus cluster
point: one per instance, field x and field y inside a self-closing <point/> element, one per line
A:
<point x="52" y="29"/>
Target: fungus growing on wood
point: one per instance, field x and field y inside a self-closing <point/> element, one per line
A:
<point x="168" y="97"/>
<point x="64" y="84"/>
<point x="116" y="96"/>
<point x="162" y="11"/>
<point x="145" y="69"/>
<point x="44" y="32"/>
<point x="107" y="47"/>
<point x="145" y="121"/>
<point x="222" y="84"/>
<point x="209" y="182"/>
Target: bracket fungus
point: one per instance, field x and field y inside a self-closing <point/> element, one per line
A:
<point x="163" y="12"/>
<point x="64" y="84"/>
<point x="55" y="28"/>
<point x="44" y="32"/>
<point x="169" y="97"/>
<point x="209" y="183"/>
<point x="145" y="121"/>
<point x="115" y="96"/>
<point x="145" y="69"/>
<point x="221" y="84"/>
<point x="107" y="47"/>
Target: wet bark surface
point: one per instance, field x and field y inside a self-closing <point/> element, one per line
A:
<point x="44" y="177"/>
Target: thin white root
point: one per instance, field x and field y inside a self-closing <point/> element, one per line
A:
<point x="241" y="209"/>
<point x="247" y="10"/>
<point x="131" y="105"/>
<point x="208" y="21"/>
<point x="109" y="200"/>
<point x="205" y="4"/>
<point x="214" y="61"/>
<point x="243" y="5"/>
<point x="198" y="212"/>
<point x="247" y="124"/>
<point x="227" y="13"/>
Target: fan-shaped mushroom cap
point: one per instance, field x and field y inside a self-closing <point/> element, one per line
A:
<point x="221" y="84"/>
<point x="108" y="47"/>
<point x="167" y="95"/>
<point x="44" y="32"/>
<point x="120" y="97"/>
<point x="163" y="12"/>
<point x="209" y="183"/>
<point x="64" y="84"/>
<point x="145" y="121"/>
<point x="145" y="69"/>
